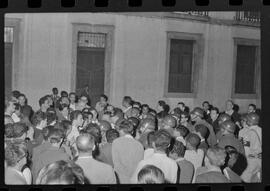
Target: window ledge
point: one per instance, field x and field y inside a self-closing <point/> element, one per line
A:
<point x="186" y="16"/>
<point x="179" y="95"/>
<point x="246" y="23"/>
<point x="245" y="96"/>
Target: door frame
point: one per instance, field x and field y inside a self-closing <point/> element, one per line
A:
<point x="94" y="28"/>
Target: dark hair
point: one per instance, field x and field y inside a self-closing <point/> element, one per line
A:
<point x="104" y="96"/>
<point x="22" y="95"/>
<point x="205" y="102"/>
<point x="178" y="148"/>
<point x="150" y="138"/>
<point x="38" y="117"/>
<point x="66" y="171"/>
<point x="151" y="174"/>
<point x="252" y="105"/>
<point x="74" y="115"/>
<point x="145" y="105"/>
<point x="182" y="130"/>
<point x="126" y="126"/>
<point x="162" y="140"/>
<point x="16" y="93"/>
<point x="166" y="108"/>
<point x="14" y="152"/>
<point x="56" y="135"/>
<point x="51" y="116"/>
<point x="42" y="100"/>
<point x="182" y="103"/>
<point x="186" y="114"/>
<point x="18" y="107"/>
<point x="46" y="131"/>
<point x="128" y="100"/>
<point x="161" y="103"/>
<point x="64" y="94"/>
<point x="54" y="89"/>
<point x="215" y="109"/>
<point x="94" y="130"/>
<point x="19" y="129"/>
<point x="202" y="129"/>
<point x="111" y="135"/>
<point x="72" y="93"/>
<point x="9" y="130"/>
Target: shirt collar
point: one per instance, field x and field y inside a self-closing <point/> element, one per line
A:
<point x="180" y="159"/>
<point x="128" y="136"/>
<point x="85" y="157"/>
<point x="213" y="169"/>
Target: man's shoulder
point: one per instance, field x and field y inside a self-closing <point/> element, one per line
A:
<point x="185" y="163"/>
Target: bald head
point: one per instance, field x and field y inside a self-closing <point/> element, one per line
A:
<point x="85" y="143"/>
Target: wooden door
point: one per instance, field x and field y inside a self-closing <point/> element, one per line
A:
<point x="90" y="71"/>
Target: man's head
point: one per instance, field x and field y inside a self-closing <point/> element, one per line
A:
<point x="215" y="157"/>
<point x="135" y="112"/>
<point x="44" y="103"/>
<point x="9" y="106"/>
<point x="83" y="100"/>
<point x="232" y="156"/>
<point x="19" y="131"/>
<point x="55" y="91"/>
<point x="162" y="140"/>
<point x="192" y="141"/>
<point x="229" y="105"/>
<point x="178" y="150"/>
<point x="56" y="136"/>
<point x="227" y="127"/>
<point x="64" y="94"/>
<point x="127" y="101"/>
<point x="111" y="135"/>
<point x="39" y="119"/>
<point x="206" y="105"/>
<point x="202" y="131"/>
<point x="15" y="95"/>
<point x="85" y="143"/>
<point x="196" y="114"/>
<point x="147" y="124"/>
<point x="160" y="105"/>
<point x="169" y="122"/>
<point x="15" y="154"/>
<point x="223" y="117"/>
<point x="253" y="119"/>
<point x="244" y="120"/>
<point x="103" y="99"/>
<point x="125" y="127"/>
<point x="76" y="118"/>
<point x="22" y="99"/>
<point x="181" y="130"/>
<point x="251" y="108"/>
<point x="184" y="117"/>
<point x="181" y="106"/>
<point x="214" y="113"/>
<point x="72" y="97"/>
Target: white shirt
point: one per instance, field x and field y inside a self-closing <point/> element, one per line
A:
<point x="148" y="153"/>
<point x="73" y="135"/>
<point x="196" y="158"/>
<point x="181" y="139"/>
<point x="15" y="118"/>
<point x="72" y="106"/>
<point x="164" y="163"/>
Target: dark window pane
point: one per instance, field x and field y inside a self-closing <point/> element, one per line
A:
<point x="180" y="68"/>
<point x="245" y="70"/>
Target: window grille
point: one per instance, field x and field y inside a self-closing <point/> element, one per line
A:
<point x="91" y="40"/>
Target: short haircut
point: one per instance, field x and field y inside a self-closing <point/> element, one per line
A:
<point x="193" y="139"/>
<point x="46" y="131"/>
<point x="178" y="148"/>
<point x="151" y="174"/>
<point x="64" y="94"/>
<point x="74" y="115"/>
<point x="215" y="154"/>
<point x="72" y="93"/>
<point x="145" y="105"/>
<point x="215" y="109"/>
<point x="111" y="135"/>
<point x="206" y="102"/>
<point x="181" y="103"/>
<point x="16" y="93"/>
<point x="202" y="129"/>
<point x="19" y="129"/>
<point x="182" y="130"/>
<point x="126" y="126"/>
<point x="54" y="89"/>
<point x="252" y="105"/>
<point x="61" y="171"/>
<point x="14" y="152"/>
<point x="51" y="116"/>
<point x="55" y="135"/>
<point x="162" y="140"/>
<point x="42" y="100"/>
<point x="22" y="95"/>
<point x="128" y="100"/>
<point x="185" y="114"/>
<point x="161" y="103"/>
<point x="104" y="96"/>
<point x="94" y="130"/>
<point x="66" y="124"/>
<point x="85" y="142"/>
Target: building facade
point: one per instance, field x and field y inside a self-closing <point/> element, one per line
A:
<point x="178" y="56"/>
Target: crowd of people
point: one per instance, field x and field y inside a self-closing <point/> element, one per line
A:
<point x="70" y="141"/>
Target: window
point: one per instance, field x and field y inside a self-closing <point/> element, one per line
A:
<point x="246" y="80"/>
<point x="8" y="39"/>
<point x="183" y="57"/>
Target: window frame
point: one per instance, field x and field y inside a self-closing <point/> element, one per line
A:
<point x="15" y="24"/>
<point x="257" y="74"/>
<point x="196" y="63"/>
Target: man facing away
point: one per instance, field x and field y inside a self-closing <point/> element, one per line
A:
<point x="96" y="172"/>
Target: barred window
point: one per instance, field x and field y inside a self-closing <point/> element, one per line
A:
<point x="91" y="40"/>
<point x="8" y="35"/>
